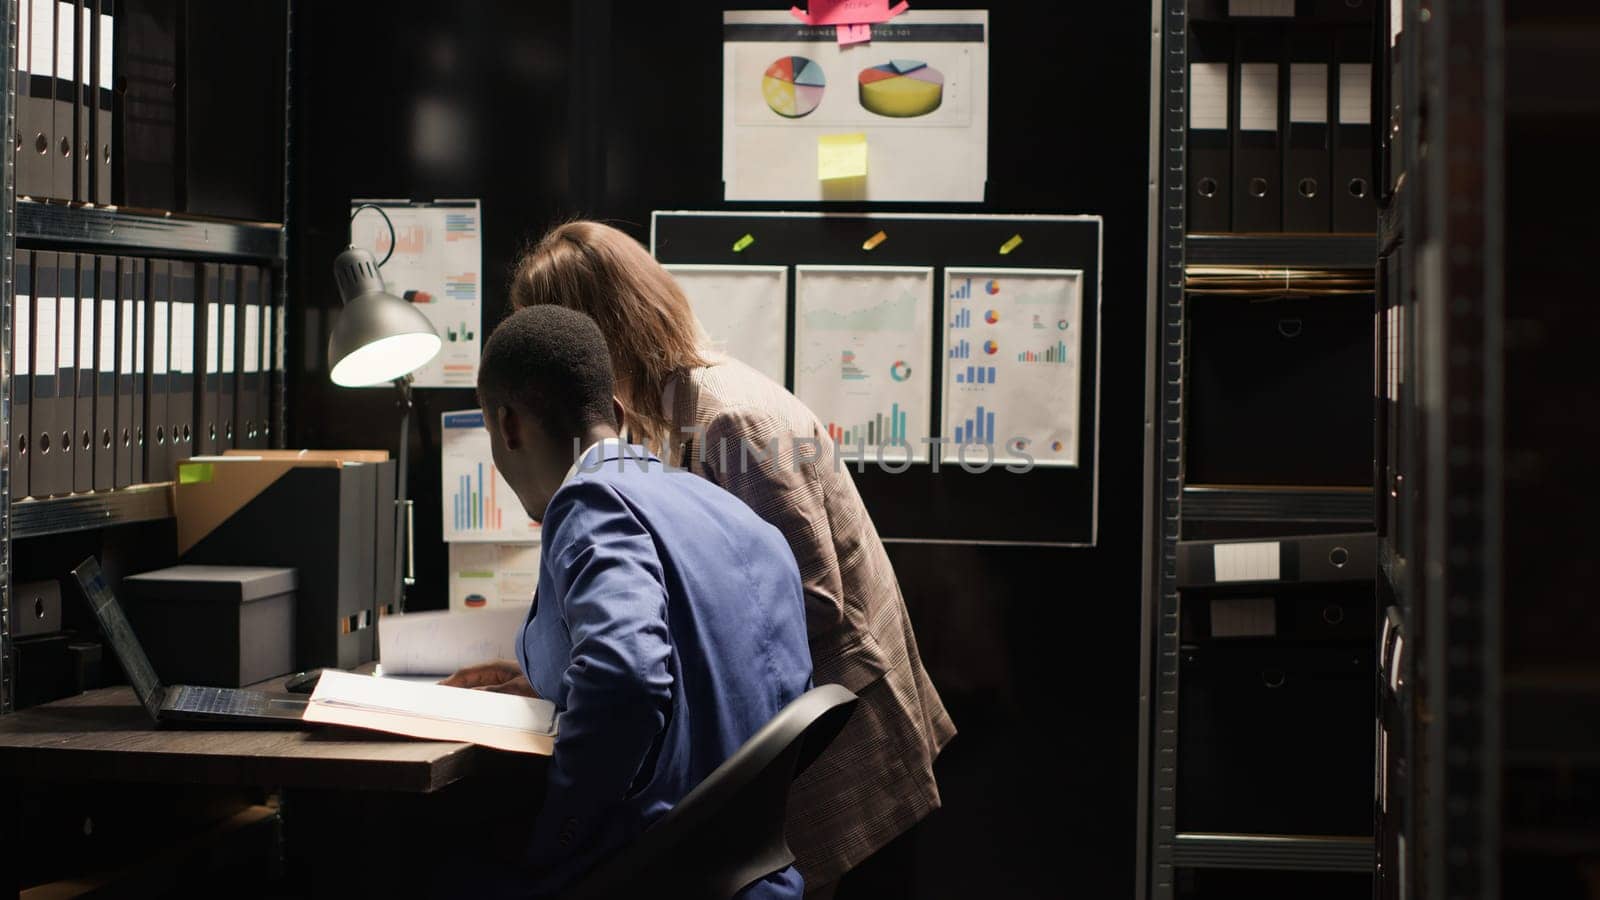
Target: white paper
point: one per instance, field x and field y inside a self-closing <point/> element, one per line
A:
<point x="1208" y="95"/>
<point x="440" y="642"/>
<point x="108" y="337"/>
<point x="1013" y="366"/>
<point x="229" y="324"/>
<point x="213" y="331"/>
<point x="743" y="310"/>
<point x="487" y="576"/>
<point x="159" y="340"/>
<point x="21" y="321"/>
<point x="1254" y="561"/>
<point x="252" y="338"/>
<point x="1236" y="617"/>
<point x="478" y="504"/>
<point x="43" y="30"/>
<point x="1255" y="8"/>
<point x="66" y="333"/>
<point x="126" y="357"/>
<point x="1308" y="92"/>
<point x="863" y="339"/>
<point x="1355" y="94"/>
<point x="1258" y="97"/>
<point x="438" y="266"/>
<point x="44" y="337"/>
<point x="940" y="155"/>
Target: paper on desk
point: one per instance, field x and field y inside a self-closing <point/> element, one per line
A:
<point x="439" y="643"/>
<point x="434" y="712"/>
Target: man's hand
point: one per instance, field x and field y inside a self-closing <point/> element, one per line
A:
<point x="518" y="685"/>
<point x="486" y="675"/>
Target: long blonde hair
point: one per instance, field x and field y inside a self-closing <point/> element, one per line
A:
<point x="649" y="328"/>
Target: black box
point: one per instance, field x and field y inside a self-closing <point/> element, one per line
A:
<point x="44" y="670"/>
<point x="35" y="608"/>
<point x="227" y="626"/>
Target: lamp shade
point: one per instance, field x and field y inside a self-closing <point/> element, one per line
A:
<point x="378" y="336"/>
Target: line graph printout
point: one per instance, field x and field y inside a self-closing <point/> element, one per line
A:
<point x="742" y="309"/>
<point x="1013" y="344"/>
<point x="863" y="339"/>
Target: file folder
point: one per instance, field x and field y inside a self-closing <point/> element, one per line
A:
<point x="1257" y="159"/>
<point x="249" y="381"/>
<point x="64" y="88"/>
<point x="105" y="383"/>
<point x="127" y="367"/>
<point x="1354" y="208"/>
<point x="21" y="373"/>
<point x="135" y="283"/>
<point x="227" y="386"/>
<point x="1210" y="102"/>
<point x="36" y="99"/>
<point x="207" y="376"/>
<point x="84" y="91"/>
<point x="83" y="393"/>
<point x="1308" y="163"/>
<point x="158" y="448"/>
<point x="104" y="68"/>
<point x="181" y="389"/>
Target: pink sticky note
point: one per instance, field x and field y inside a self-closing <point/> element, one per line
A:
<point x="853" y="34"/>
<point x="847" y="12"/>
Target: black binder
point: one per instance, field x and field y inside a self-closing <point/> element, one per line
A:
<point x="1307" y="160"/>
<point x="1354" y="209"/>
<point x="35" y="101"/>
<point x="67" y="372"/>
<point x="84" y="100"/>
<point x="83" y="393"/>
<point x="181" y="389"/>
<point x="146" y="50"/>
<point x="105" y="383"/>
<point x="208" y="369"/>
<point x="1210" y="105"/>
<point x="158" y="446"/>
<point x="248" y="391"/>
<point x="22" y="372"/>
<point x="64" y="87"/>
<point x="127" y="431"/>
<point x="228" y="335"/>
<point x="104" y="66"/>
<point x="135" y="286"/>
<point x="271" y="357"/>
<point x="1257" y="119"/>
<point x="54" y="313"/>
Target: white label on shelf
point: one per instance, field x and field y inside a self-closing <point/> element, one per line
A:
<point x="158" y="343"/>
<point x="86" y="333"/>
<point x="108" y="337"/>
<point x="1258" y="97"/>
<point x="44" y="340"/>
<point x="1277" y="9"/>
<point x="213" y="332"/>
<point x="43" y="31"/>
<point x="229" y="322"/>
<point x="129" y="360"/>
<point x="1254" y="561"/>
<point x="21" y="340"/>
<point x="1208" y="96"/>
<point x="1308" y="92"/>
<point x="1236" y="617"/>
<point x="107" y="42"/>
<point x="1355" y="94"/>
<point x="64" y="19"/>
<point x="252" y="338"/>
<point x="66" y="333"/>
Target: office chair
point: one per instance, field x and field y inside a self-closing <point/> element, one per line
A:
<point x="728" y="831"/>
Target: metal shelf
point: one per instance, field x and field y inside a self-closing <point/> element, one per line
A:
<point x="1302" y="559"/>
<point x="82" y="512"/>
<point x="1350" y="506"/>
<point x="1274" y="851"/>
<point x="1301" y="251"/>
<point x="137" y="231"/>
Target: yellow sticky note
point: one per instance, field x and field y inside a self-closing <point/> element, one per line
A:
<point x="841" y="156"/>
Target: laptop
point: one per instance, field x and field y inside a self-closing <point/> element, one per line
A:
<point x="178" y="703"/>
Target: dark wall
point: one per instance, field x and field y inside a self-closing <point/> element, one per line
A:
<point x="549" y="110"/>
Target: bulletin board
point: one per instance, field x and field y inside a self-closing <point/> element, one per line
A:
<point x="1012" y="313"/>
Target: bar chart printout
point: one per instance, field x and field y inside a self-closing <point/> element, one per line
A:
<point x="478" y="504"/>
<point x="1013" y="348"/>
<point x="862" y="346"/>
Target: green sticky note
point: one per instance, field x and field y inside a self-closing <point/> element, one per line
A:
<point x="196" y="473"/>
<point x="841" y="156"/>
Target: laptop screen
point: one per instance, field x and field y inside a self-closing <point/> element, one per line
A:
<point x="117" y="630"/>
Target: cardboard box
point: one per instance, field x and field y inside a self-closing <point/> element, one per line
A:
<point x="224" y="626"/>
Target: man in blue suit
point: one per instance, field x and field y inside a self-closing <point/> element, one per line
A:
<point x="668" y="625"/>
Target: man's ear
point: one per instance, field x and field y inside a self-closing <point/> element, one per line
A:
<point x="510" y="425"/>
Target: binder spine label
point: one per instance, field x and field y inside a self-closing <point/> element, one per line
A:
<point x="44" y="345"/>
<point x="64" y="19"/>
<point x="21" y="321"/>
<point x="1208" y="95"/>
<point x="1308" y="93"/>
<point x="66" y="346"/>
<point x="42" y="29"/>
<point x="107" y="42"/>
<point x="229" y="322"/>
<point x="108" y="337"/>
<point x="252" y="338"/>
<point x="132" y="360"/>
<point x="86" y="333"/>
<point x="158" y="350"/>
<point x="213" y="326"/>
<point x="1355" y="94"/>
<point x="1258" y="97"/>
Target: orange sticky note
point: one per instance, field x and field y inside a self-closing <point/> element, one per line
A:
<point x="841" y="156"/>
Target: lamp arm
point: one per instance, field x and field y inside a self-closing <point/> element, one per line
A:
<point x="386" y="220"/>
<point x="404" y="575"/>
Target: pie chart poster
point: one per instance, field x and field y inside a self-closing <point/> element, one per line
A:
<point x="919" y="92"/>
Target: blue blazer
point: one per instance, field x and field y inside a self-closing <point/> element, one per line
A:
<point x="668" y="627"/>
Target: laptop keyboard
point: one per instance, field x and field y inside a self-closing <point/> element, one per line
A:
<point x="214" y="701"/>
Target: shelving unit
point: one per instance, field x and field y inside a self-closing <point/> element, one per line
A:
<point x="136" y="231"/>
<point x="1271" y="851"/>
<point x="81" y="512"/>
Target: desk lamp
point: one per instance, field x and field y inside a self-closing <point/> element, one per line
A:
<point x="380" y="337"/>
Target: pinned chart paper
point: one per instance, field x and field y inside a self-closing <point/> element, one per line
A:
<point x="438" y="267"/>
<point x="916" y="88"/>
<point x="841" y="156"/>
<point x="478" y="504"/>
<point x="490" y="576"/>
<point x="744" y="311"/>
<point x="863" y="337"/>
<point x="1013" y="365"/>
<point x="847" y="12"/>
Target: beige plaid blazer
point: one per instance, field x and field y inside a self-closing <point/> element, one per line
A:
<point x="876" y="779"/>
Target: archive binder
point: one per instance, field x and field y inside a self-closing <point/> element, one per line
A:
<point x="127" y="363"/>
<point x="83" y="391"/>
<point x="180" y="390"/>
<point x="228" y="347"/>
<point x="84" y="100"/>
<point x="135" y="302"/>
<point x="65" y="92"/>
<point x="1257" y="161"/>
<point x="105" y="383"/>
<point x="104" y="64"/>
<point x="1210" y="100"/>
<point x="249" y="368"/>
<point x="158" y="448"/>
<point x="207" y="374"/>
<point x="44" y="478"/>
<point x="1354" y="208"/>
<point x="66" y="366"/>
<point x="1307" y="160"/>
<point x="35" y="106"/>
<point x="21" y="372"/>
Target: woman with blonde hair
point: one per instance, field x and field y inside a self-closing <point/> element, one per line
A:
<point x="720" y="419"/>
